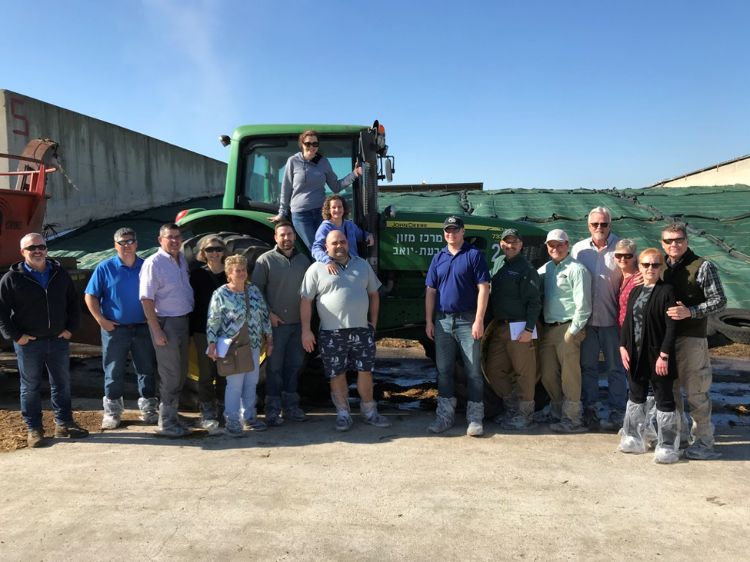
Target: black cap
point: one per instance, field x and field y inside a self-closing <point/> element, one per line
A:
<point x="453" y="221"/>
<point x="510" y="232"/>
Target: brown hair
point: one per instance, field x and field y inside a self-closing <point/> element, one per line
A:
<point x="208" y="241"/>
<point x="308" y="133"/>
<point x="326" y="210"/>
<point x="281" y="223"/>
<point x="676" y="227"/>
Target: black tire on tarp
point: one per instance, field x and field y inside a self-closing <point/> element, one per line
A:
<point x="734" y="323"/>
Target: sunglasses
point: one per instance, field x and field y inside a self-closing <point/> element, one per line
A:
<point x="599" y="224"/>
<point x="670" y="241"/>
<point x="623" y="256"/>
<point x="214" y="249"/>
<point x="648" y="264"/>
<point x="35" y="247"/>
<point x="311" y="144"/>
<point x="128" y="242"/>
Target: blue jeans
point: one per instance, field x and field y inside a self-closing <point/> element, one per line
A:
<point x="283" y="366"/>
<point x="239" y="395"/>
<point x="306" y="224"/>
<point x="136" y="340"/>
<point x="52" y="354"/>
<point x="607" y="340"/>
<point x="453" y="331"/>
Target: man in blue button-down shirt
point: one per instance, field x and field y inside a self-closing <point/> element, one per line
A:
<point x="112" y="298"/>
<point x="457" y="293"/>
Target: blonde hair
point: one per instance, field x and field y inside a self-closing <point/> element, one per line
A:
<point x="207" y="242"/>
<point x="234" y="261"/>
<point x="650" y="252"/>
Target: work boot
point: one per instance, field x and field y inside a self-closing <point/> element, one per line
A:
<point x="35" y="438"/>
<point x="571" y="418"/>
<point x="370" y="415"/>
<point x="668" y="441"/>
<point x="149" y="408"/>
<point x="510" y="409"/>
<point x="233" y="427"/>
<point x="699" y="451"/>
<point x="273" y="411"/>
<point x="445" y="415"/>
<point x="633" y="428"/>
<point x="524" y="418"/>
<point x="169" y="424"/>
<point x="208" y="418"/>
<point x="613" y="422"/>
<point x="70" y="430"/>
<point x="475" y="416"/>
<point x="292" y="411"/>
<point x="591" y="418"/>
<point x="112" y="412"/>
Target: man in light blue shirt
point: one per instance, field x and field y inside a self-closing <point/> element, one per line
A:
<point x="167" y="299"/>
<point x="566" y="286"/>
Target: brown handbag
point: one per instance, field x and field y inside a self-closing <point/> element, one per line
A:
<point x="239" y="357"/>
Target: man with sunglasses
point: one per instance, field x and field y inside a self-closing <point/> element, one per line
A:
<point x="39" y="310"/>
<point x="699" y="292"/>
<point x="458" y="288"/>
<point x="167" y="299"/>
<point x="112" y="298"/>
<point x="596" y="253"/>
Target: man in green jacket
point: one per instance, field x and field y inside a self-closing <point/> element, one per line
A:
<point x="511" y="342"/>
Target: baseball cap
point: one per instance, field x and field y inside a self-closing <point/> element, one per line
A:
<point x="453" y="221"/>
<point x="558" y="235"/>
<point x="510" y="232"/>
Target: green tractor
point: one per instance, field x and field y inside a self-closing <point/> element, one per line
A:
<point x="405" y="240"/>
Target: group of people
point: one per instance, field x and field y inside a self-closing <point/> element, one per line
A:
<point x="646" y="313"/>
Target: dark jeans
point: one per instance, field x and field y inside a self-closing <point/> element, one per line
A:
<point x="306" y="224"/>
<point x="211" y="386"/>
<point x="52" y="355"/>
<point x="133" y="339"/>
<point x="282" y="367"/>
<point x="663" y="389"/>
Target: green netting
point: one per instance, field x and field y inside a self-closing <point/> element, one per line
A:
<point x="542" y="205"/>
<point x="724" y="203"/>
<point x="440" y="202"/>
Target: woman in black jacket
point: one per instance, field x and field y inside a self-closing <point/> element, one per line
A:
<point x="647" y="351"/>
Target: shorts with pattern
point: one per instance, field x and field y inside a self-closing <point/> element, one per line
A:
<point x="348" y="349"/>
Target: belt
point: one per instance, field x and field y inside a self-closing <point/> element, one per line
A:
<point x="557" y="323"/>
<point x="131" y="325"/>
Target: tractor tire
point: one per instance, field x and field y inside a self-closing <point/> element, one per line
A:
<point x="734" y="323"/>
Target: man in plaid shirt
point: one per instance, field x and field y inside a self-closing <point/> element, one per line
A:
<point x="699" y="293"/>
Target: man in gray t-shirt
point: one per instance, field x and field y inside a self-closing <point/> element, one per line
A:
<point x="346" y="339"/>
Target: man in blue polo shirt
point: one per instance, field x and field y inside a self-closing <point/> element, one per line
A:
<point x="112" y="297"/>
<point x="457" y="293"/>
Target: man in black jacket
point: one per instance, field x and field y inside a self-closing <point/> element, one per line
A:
<point x="39" y="309"/>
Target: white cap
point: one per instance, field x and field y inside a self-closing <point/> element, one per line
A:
<point x="558" y="235"/>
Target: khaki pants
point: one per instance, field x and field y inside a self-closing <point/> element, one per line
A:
<point x="695" y="376"/>
<point x="560" y="363"/>
<point x="508" y="362"/>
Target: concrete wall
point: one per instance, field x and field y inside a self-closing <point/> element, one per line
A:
<point x="736" y="172"/>
<point x="114" y="170"/>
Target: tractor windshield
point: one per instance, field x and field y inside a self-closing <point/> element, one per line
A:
<point x="264" y="162"/>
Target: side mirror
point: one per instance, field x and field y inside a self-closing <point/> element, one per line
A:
<point x="388" y="170"/>
<point x="224" y="140"/>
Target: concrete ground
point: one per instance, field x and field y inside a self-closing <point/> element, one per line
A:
<point x="306" y="492"/>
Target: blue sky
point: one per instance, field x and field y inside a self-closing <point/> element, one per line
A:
<point x="566" y="94"/>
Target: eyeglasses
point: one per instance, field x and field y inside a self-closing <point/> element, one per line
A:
<point x="647" y="265"/>
<point x="128" y="242"/>
<point x="173" y="237"/>
<point x="214" y="249"/>
<point x="670" y="241"/>
<point x="623" y="256"/>
<point x="599" y="224"/>
<point x="35" y="247"/>
<point x="311" y="144"/>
